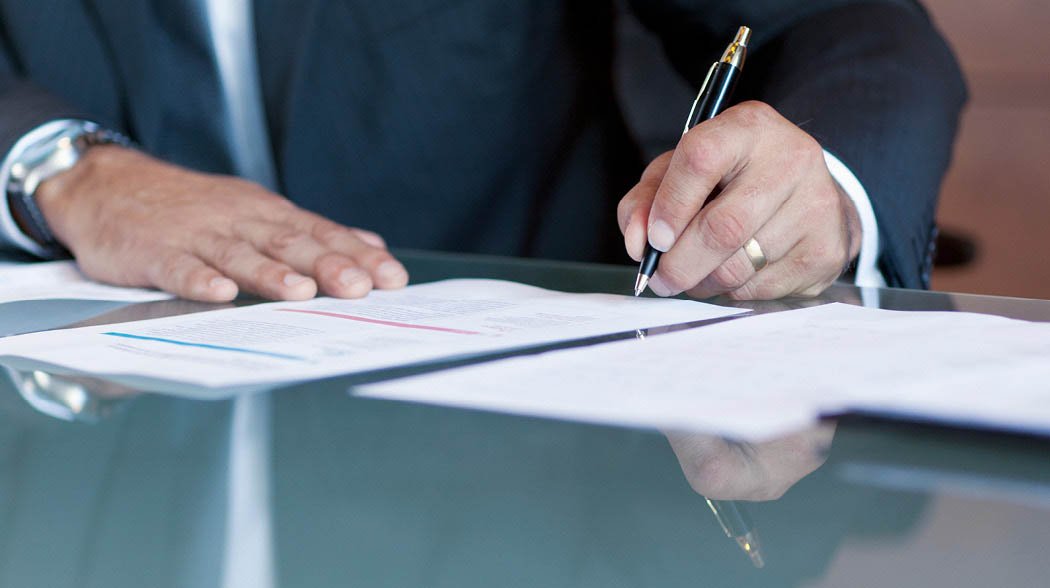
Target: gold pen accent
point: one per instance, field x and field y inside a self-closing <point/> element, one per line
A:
<point x="736" y="52"/>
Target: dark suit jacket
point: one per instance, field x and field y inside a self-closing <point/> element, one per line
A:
<point x="490" y="126"/>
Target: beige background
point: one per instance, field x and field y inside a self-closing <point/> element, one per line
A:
<point x="998" y="189"/>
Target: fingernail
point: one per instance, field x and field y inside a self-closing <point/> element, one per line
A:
<point x="658" y="287"/>
<point x="661" y="237"/>
<point x="390" y="270"/>
<point x="351" y="276"/>
<point x="292" y="280"/>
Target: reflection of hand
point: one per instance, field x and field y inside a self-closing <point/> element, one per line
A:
<point x="132" y="220"/>
<point x="724" y="470"/>
<point x="773" y="185"/>
<point x="845" y="295"/>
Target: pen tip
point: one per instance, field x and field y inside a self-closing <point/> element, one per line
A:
<point x="640" y="283"/>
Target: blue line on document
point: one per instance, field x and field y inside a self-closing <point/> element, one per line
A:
<point x="206" y="346"/>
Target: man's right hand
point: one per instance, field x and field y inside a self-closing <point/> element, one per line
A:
<point x="133" y="220"/>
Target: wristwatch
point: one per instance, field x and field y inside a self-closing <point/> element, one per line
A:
<point x="50" y="155"/>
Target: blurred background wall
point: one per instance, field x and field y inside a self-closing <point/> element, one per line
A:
<point x="997" y="193"/>
<point x="998" y="189"/>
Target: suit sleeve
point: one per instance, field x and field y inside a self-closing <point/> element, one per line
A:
<point x="24" y="107"/>
<point x="873" y="81"/>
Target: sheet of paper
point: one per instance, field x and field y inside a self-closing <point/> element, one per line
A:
<point x="759" y="377"/>
<point x="288" y="341"/>
<point x="62" y="280"/>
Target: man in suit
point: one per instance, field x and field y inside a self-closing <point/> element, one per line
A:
<point x="463" y="125"/>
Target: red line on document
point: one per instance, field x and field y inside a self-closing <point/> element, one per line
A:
<point x="362" y="319"/>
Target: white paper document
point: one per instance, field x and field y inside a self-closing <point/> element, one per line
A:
<point x="286" y="341"/>
<point x="62" y="280"/>
<point x="759" y="377"/>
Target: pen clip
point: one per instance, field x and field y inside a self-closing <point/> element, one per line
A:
<point x="696" y="102"/>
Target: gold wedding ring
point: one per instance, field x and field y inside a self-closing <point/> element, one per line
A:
<point x="753" y="251"/>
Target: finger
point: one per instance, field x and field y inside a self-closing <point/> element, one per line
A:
<point x="188" y="277"/>
<point x="633" y="211"/>
<point x="634" y="238"/>
<point x="817" y="259"/>
<point x="734" y="273"/>
<point x="709" y="154"/>
<point x="386" y="271"/>
<point x="776" y="238"/>
<point x="721" y="229"/>
<point x="642" y="194"/>
<point x="796" y="274"/>
<point x="243" y="263"/>
<point x="336" y="274"/>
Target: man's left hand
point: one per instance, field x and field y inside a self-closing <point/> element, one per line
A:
<point x="766" y="179"/>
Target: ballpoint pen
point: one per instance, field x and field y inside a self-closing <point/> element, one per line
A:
<point x="738" y="526"/>
<point x="713" y="98"/>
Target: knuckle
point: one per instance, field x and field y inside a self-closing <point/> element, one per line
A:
<point x="712" y="476"/>
<point x="285" y="240"/>
<point x="731" y="275"/>
<point x="702" y="157"/>
<point x="723" y="228"/>
<point x="676" y="206"/>
<point x="755" y="113"/>
<point x="229" y="252"/>
<point x="328" y="232"/>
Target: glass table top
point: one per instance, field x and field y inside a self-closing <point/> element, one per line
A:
<point x="308" y="485"/>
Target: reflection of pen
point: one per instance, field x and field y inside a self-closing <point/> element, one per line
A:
<point x="713" y="98"/>
<point x="738" y="526"/>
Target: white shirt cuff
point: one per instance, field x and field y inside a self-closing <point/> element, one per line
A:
<point x="10" y="233"/>
<point x="868" y="274"/>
